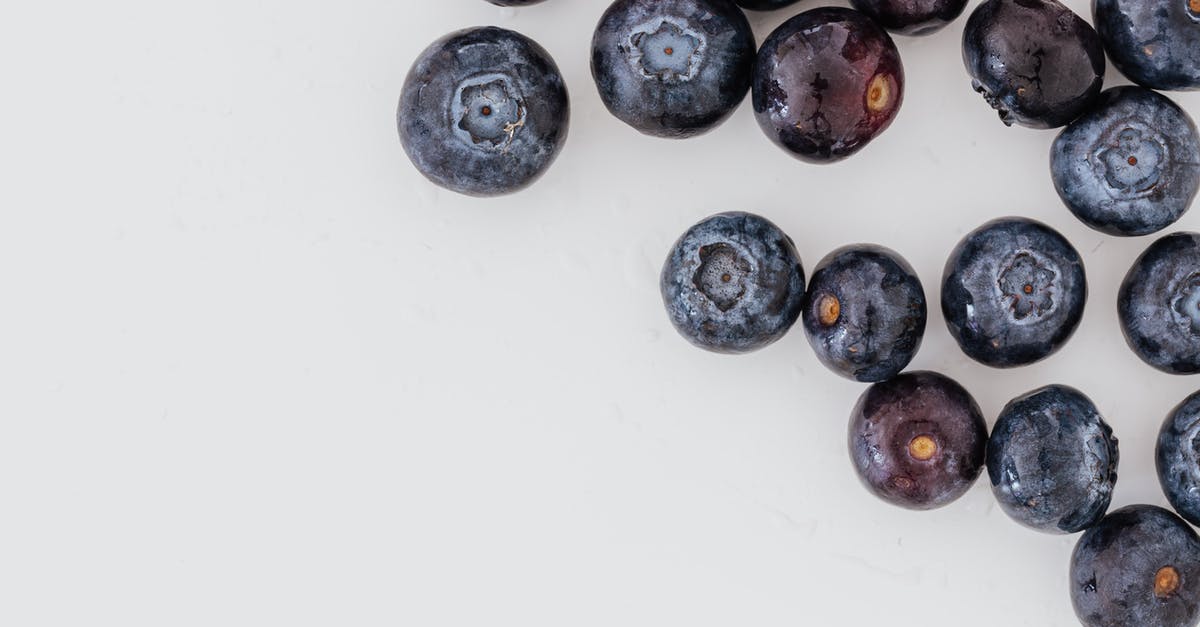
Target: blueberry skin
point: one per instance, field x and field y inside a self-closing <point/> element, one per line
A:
<point x="1177" y="458"/>
<point x="1052" y="460"/>
<point x="1130" y="165"/>
<point x="912" y="17"/>
<point x="1159" y="304"/>
<point x="864" y="313"/>
<point x="483" y="112"/>
<point x="892" y="417"/>
<point x="1139" y="566"/>
<point x="765" y="5"/>
<point x="1154" y="44"/>
<point x="1035" y="61"/>
<point x="1013" y="292"/>
<point x="514" y="3"/>
<point x="826" y="83"/>
<point x="672" y="68"/>
<point x="733" y="283"/>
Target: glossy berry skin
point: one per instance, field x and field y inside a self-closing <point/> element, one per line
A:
<point x="1139" y="566"/>
<point x="1013" y="292"/>
<point x="764" y="5"/>
<point x="1159" y="304"/>
<point x="1036" y="62"/>
<point x="1052" y="460"/>
<point x="826" y="83"/>
<point x="672" y="68"/>
<point x="1154" y="44"/>
<point x="483" y="112"/>
<point x="1177" y="458"/>
<point x="912" y="17"/>
<point x="1130" y="165"/>
<point x="917" y="440"/>
<point x="864" y="313"/>
<point x="733" y="283"/>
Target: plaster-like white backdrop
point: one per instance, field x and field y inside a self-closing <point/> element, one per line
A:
<point x="257" y="371"/>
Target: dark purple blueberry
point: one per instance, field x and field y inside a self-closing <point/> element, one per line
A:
<point x="483" y="112"/>
<point x="1036" y="62"/>
<point x="864" y="313"/>
<point x="514" y="3"/>
<point x="917" y="440"/>
<point x="1052" y="460"/>
<point x="765" y="5"/>
<point x="1159" y="304"/>
<point x="826" y="83"/>
<point x="1013" y="292"/>
<point x="1139" y="567"/>
<point x="912" y="17"/>
<point x="672" y="68"/>
<point x="1178" y="458"/>
<point x="1154" y="44"/>
<point x="1130" y="165"/>
<point x="733" y="283"/>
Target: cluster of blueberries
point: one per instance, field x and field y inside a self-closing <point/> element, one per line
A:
<point x="484" y="111"/>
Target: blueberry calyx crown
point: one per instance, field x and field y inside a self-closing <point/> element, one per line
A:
<point x="667" y="50"/>
<point x="487" y="111"/>
<point x="1130" y="163"/>
<point x="1030" y="285"/>
<point x="722" y="275"/>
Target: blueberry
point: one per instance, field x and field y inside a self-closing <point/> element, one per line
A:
<point x="733" y="283"/>
<point x="1129" y="166"/>
<point x="917" y="440"/>
<point x="826" y="83"/>
<point x="1013" y="292"/>
<point x="672" y="68"/>
<point x="1178" y="458"/>
<point x="1052" y="460"/>
<point x="912" y="17"/>
<point x="1159" y="304"/>
<point x="514" y="3"/>
<point x="864" y="313"/>
<point x="1036" y="62"/>
<point x="1154" y="44"/>
<point x="765" y="5"/>
<point x="1139" y="566"/>
<point x="483" y="112"/>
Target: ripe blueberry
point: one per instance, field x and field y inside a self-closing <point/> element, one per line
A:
<point x="1052" y="460"/>
<point x="672" y="68"/>
<point x="826" y="83"/>
<point x="1036" y="62"/>
<point x="1159" y="304"/>
<point x="1178" y="459"/>
<point x="917" y="440"/>
<point x="1155" y="44"/>
<point x="1129" y="166"/>
<point x="864" y="313"/>
<point x="1013" y="292"/>
<point x="912" y="17"/>
<point x="483" y="112"/>
<point x="1139" y="566"/>
<point x="733" y="283"/>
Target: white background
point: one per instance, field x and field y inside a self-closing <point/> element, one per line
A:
<point x="255" y="370"/>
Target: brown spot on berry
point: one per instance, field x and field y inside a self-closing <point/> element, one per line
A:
<point x="1166" y="580"/>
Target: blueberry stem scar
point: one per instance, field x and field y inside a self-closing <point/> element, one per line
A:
<point x="830" y="309"/>
<point x="922" y="448"/>
<point x="1166" y="580"/>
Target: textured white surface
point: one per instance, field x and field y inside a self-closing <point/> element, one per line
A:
<point x="256" y="371"/>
